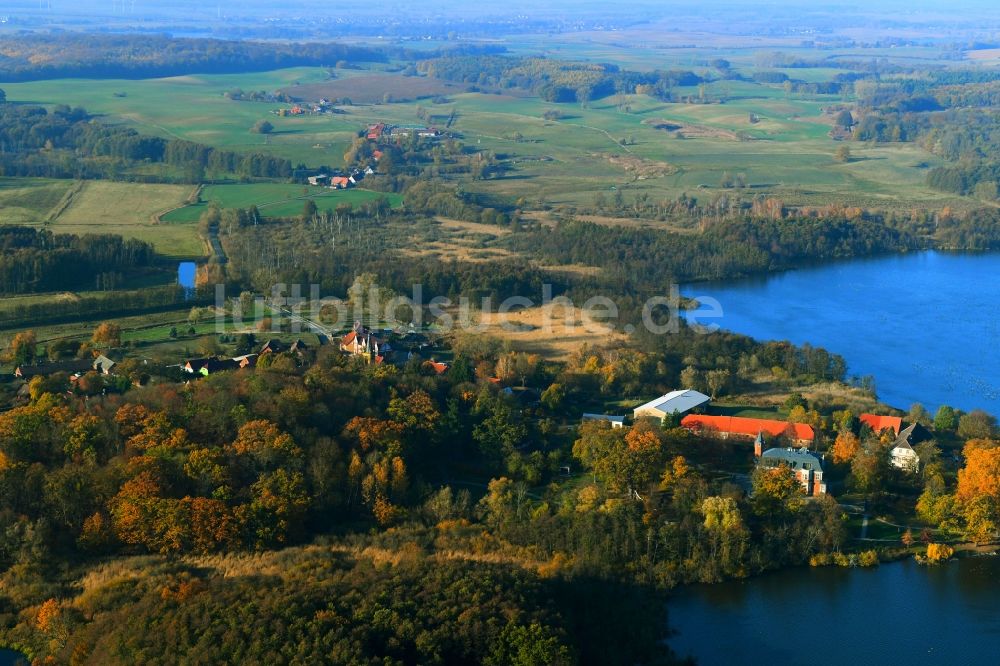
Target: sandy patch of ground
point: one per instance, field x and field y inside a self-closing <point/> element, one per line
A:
<point x="641" y="168"/>
<point x="474" y="227"/>
<point x="692" y="131"/>
<point x="553" y="332"/>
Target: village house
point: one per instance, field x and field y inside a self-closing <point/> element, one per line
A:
<point x="219" y="365"/>
<point x="879" y="423"/>
<point x="247" y="360"/>
<point x="52" y="367"/>
<point x="362" y="342"/>
<point x="615" y="421"/>
<point x="104" y="365"/>
<point x="339" y="183"/>
<point x="807" y="467"/>
<point x="676" y="402"/>
<point x="272" y="346"/>
<point x="436" y="367"/>
<point x="194" y="366"/>
<point x="724" y="427"/>
<point x="902" y="455"/>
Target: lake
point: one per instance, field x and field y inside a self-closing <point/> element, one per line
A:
<point x="186" y="272"/>
<point x="12" y="658"/>
<point x="898" y="613"/>
<point x="923" y="324"/>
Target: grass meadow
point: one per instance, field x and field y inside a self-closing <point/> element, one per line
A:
<point x="272" y="199"/>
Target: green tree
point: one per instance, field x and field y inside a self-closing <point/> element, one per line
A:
<point x="776" y="491"/>
<point x="945" y="419"/>
<point x="977" y="424"/>
<point x="500" y="430"/>
<point x="262" y="127"/>
<point x="309" y="210"/>
<point x="552" y="397"/>
<point x="23" y="348"/>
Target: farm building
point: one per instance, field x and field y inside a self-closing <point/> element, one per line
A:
<point x="879" y="423"/>
<point x="807" y="467"/>
<point x="738" y="426"/>
<point x="340" y="183"/>
<point x="675" y="402"/>
<point x="51" y="368"/>
<point x="615" y="421"/>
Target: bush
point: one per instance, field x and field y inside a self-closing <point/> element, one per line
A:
<point x="868" y="558"/>
<point x="939" y="552"/>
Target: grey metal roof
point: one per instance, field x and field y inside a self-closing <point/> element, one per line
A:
<point x="679" y="402"/>
<point x="794" y="458"/>
<point x="604" y="417"/>
<point x="903" y="441"/>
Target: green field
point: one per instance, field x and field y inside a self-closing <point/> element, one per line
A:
<point x="273" y="199"/>
<point x="193" y="108"/>
<point x="101" y="207"/>
<point x="30" y="200"/>
<point x="788" y="154"/>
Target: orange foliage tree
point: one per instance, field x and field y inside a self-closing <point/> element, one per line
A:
<point x="845" y="447"/>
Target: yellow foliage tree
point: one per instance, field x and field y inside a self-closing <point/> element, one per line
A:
<point x="939" y="552"/>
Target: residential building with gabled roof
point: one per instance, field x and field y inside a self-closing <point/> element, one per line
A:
<point x="806" y="466"/>
<point x="902" y="455"/>
<point x="878" y="423"/>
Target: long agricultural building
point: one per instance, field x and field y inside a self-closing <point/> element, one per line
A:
<point x="738" y="426"/>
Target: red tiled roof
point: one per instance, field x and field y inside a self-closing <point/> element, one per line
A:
<point x="439" y="368"/>
<point x="879" y="423"/>
<point x="738" y="425"/>
<point x="349" y="338"/>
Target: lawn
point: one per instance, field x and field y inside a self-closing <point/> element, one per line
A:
<point x="273" y="199"/>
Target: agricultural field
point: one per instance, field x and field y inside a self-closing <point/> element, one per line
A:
<point x="30" y="200"/>
<point x="372" y="89"/>
<point x="272" y="199"/>
<point x="101" y="207"/>
<point x="670" y="148"/>
<point x="128" y="209"/>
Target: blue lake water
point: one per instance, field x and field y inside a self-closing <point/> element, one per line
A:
<point x="186" y="271"/>
<point x="900" y="613"/>
<point x="12" y="658"/>
<point x="923" y="324"/>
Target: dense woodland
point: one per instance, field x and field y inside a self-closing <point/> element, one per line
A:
<point x="264" y="459"/>
<point x="33" y="260"/>
<point x="34" y="57"/>
<point x="951" y="113"/>
<point x="553" y="80"/>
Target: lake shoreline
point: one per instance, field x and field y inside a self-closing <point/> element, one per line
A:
<point x="891" y="317"/>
